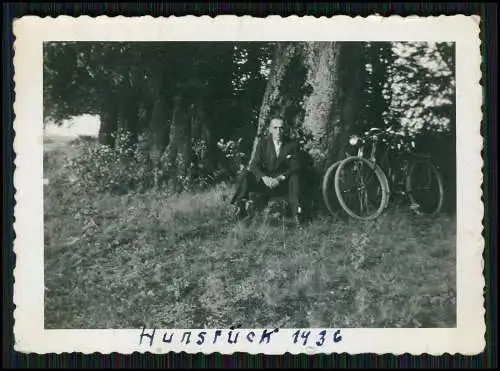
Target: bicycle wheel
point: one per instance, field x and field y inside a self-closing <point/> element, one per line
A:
<point x="424" y="187"/>
<point x="328" y="188"/>
<point x="361" y="188"/>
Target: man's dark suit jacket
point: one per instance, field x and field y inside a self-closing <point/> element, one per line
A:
<point x="266" y="163"/>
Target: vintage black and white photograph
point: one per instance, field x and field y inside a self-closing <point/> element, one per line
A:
<point x="260" y="184"/>
<point x="159" y="209"/>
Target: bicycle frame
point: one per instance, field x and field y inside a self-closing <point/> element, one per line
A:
<point x="395" y="169"/>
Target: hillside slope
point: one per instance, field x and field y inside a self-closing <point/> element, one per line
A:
<point x="182" y="262"/>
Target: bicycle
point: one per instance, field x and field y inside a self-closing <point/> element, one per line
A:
<point x="394" y="170"/>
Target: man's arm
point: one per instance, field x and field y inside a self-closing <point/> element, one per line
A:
<point x="293" y="162"/>
<point x="256" y="163"/>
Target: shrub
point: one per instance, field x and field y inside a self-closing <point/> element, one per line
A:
<point x="118" y="169"/>
<point x="233" y="154"/>
<point x="101" y="168"/>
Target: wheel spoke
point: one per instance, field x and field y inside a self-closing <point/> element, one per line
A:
<point x="420" y="189"/>
<point x="360" y="198"/>
<point x="358" y="189"/>
<point x="354" y="188"/>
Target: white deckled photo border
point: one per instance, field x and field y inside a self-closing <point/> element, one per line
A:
<point x="31" y="32"/>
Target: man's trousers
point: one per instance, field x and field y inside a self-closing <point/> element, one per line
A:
<point x="248" y="183"/>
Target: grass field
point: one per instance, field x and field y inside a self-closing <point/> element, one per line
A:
<point x="182" y="262"/>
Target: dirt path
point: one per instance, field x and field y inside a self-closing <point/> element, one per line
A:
<point x="53" y="143"/>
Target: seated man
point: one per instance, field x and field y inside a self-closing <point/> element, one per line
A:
<point x="273" y="171"/>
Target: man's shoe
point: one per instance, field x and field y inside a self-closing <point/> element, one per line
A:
<point x="296" y="218"/>
<point x="249" y="207"/>
<point x="240" y="211"/>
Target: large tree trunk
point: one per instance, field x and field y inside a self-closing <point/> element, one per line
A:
<point x="179" y="148"/>
<point x="201" y="138"/>
<point x="322" y="61"/>
<point x="329" y="99"/>
<point x="154" y="122"/>
<point x="109" y="121"/>
<point x="128" y="114"/>
<point x="159" y="128"/>
<point x="176" y="136"/>
<point x="273" y="100"/>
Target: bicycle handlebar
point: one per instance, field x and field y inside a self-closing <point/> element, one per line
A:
<point x="374" y="133"/>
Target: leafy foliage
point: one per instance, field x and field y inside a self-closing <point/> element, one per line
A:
<point x="103" y="169"/>
<point x="423" y="87"/>
<point x="377" y="84"/>
<point x="236" y="158"/>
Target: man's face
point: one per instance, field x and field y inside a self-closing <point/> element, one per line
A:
<point x="276" y="129"/>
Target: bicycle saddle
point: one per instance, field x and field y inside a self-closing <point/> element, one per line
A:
<point x="373" y="130"/>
